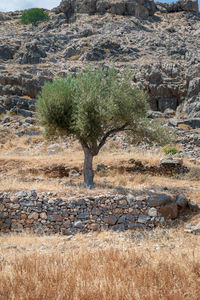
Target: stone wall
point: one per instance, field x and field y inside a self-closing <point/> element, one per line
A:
<point x="46" y="213"/>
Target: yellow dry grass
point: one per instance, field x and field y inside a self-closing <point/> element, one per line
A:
<point x="100" y="266"/>
<point x="15" y="169"/>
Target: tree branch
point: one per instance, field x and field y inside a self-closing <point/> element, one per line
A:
<point x="109" y="133"/>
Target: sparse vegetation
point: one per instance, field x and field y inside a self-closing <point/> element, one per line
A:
<point x="34" y="16"/>
<point x="194" y="173"/>
<point x="170" y="150"/>
<point x="2" y="116"/>
<point x="75" y="57"/>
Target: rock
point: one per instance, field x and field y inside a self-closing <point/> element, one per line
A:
<point x="4" y="17"/>
<point x="2" y="110"/>
<point x="78" y="224"/>
<point x="193" y="123"/>
<point x="193" y="205"/>
<point x="54" y="217"/>
<point x="111" y="220"/>
<point x="194" y="87"/>
<point x="154" y="114"/>
<point x="189" y="5"/>
<point x="6" y="119"/>
<point x="7" y="51"/>
<point x="172" y="122"/>
<point x="193" y="229"/>
<point x="159" y="199"/>
<point x="181" y="5"/>
<point x="94" y="226"/>
<point x="73" y="173"/>
<point x="143" y="219"/>
<point x="136" y="8"/>
<point x="21" y="194"/>
<point x="169" y="211"/>
<point x="171" y="162"/>
<point x="136" y="226"/>
<point x="43" y="216"/>
<point x="32" y="53"/>
<point x="182" y="201"/>
<point x="100" y="166"/>
<point x="83" y="215"/>
<point x="152" y="212"/>
<point x="118" y="227"/>
<point x="33" y="215"/>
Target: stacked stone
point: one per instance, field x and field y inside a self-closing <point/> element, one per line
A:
<point x="45" y="213"/>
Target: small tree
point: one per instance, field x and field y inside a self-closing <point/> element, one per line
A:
<point x="94" y="106"/>
<point x="34" y="16"/>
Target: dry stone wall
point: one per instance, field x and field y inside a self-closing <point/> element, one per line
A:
<point x="46" y="213"/>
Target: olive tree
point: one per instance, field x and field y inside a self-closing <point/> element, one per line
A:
<point x="93" y="106"/>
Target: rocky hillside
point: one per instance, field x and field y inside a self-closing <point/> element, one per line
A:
<point x="160" y="42"/>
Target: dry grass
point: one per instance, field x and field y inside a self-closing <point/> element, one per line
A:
<point x="103" y="266"/>
<point x="15" y="171"/>
<point x="95" y="266"/>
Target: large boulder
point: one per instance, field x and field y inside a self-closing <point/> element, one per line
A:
<point x="138" y="8"/>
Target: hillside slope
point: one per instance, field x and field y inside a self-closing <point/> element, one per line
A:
<point x="162" y="49"/>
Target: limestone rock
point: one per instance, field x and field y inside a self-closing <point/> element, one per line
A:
<point x="180" y="5"/>
<point x="182" y="201"/>
<point x="136" y="8"/>
<point x="193" y="229"/>
<point x="31" y="54"/>
<point x="155" y="200"/>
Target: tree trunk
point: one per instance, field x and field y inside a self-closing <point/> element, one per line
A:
<point x="87" y="169"/>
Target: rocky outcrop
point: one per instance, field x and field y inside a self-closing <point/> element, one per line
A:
<point x="4" y="17"/>
<point x="163" y="52"/>
<point x="171" y="85"/>
<point x="138" y="8"/>
<point x="7" y="51"/>
<point x="181" y="5"/>
<point x="31" y="54"/>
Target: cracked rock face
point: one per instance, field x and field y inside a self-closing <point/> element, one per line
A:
<point x="181" y="5"/>
<point x="138" y="8"/>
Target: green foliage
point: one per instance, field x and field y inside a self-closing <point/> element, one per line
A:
<point x="170" y="150"/>
<point x="150" y="132"/>
<point x="95" y="105"/>
<point x="34" y="16"/>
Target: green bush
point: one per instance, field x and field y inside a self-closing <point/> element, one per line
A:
<point x="170" y="150"/>
<point x="34" y="16"/>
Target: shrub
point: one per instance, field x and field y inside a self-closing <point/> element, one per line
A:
<point x="170" y="150"/>
<point x="34" y="16"/>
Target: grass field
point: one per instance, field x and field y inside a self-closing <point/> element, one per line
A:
<point x="163" y="264"/>
<point x="101" y="266"/>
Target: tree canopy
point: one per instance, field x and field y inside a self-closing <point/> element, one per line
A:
<point x="94" y="105"/>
